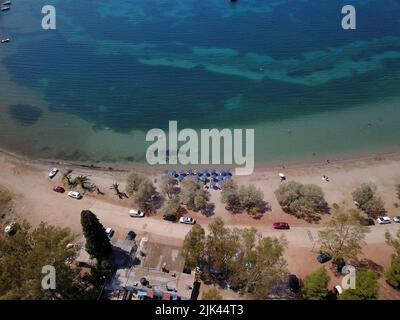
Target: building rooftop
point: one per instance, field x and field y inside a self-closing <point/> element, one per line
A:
<point x="156" y="272"/>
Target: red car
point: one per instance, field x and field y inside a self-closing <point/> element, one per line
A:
<point x="281" y="225"/>
<point x="59" y="189"/>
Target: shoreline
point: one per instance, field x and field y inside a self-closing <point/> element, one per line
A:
<point x="260" y="167"/>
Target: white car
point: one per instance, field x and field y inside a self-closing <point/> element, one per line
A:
<point x="187" y="220"/>
<point x="396" y="219"/>
<point x="53" y="173"/>
<point x="383" y="220"/>
<point x="338" y="289"/>
<point x="136" y="213"/>
<point x="10" y="229"/>
<point x="74" y="194"/>
<point x="109" y="232"/>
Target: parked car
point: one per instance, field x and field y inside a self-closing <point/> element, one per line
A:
<point x="131" y="235"/>
<point x="383" y="220"/>
<point x="324" y="257"/>
<point x="187" y="220"/>
<point x="10" y="229"/>
<point x="396" y="219"/>
<point x="59" y="189"/>
<point x="136" y="213"/>
<point x="340" y="263"/>
<point x="367" y="221"/>
<point x="53" y="173"/>
<point x="337" y="290"/>
<point x="170" y="217"/>
<point x="294" y="283"/>
<point x="74" y="194"/>
<point x="109" y="232"/>
<point x="281" y="225"/>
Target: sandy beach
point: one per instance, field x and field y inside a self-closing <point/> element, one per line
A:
<point x="34" y="200"/>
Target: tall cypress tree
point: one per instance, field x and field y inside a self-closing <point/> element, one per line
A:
<point x="97" y="243"/>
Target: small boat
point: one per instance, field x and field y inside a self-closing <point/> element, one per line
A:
<point x="7" y="3"/>
<point x="5" y="40"/>
<point x="5" y="8"/>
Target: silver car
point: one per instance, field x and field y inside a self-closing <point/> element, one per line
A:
<point x="383" y="220"/>
<point x="187" y="220"/>
<point x="74" y="194"/>
<point x="136" y="213"/>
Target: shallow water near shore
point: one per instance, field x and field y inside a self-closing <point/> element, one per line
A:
<point x="90" y="90"/>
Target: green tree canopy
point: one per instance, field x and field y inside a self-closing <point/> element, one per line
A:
<point x="303" y="201"/>
<point x="393" y="241"/>
<point x="193" y="247"/>
<point x="269" y="266"/>
<point x="221" y="245"/>
<point x="81" y="180"/>
<point x="168" y="185"/>
<point x="211" y="294"/>
<point x="366" y="287"/>
<point x="368" y="201"/>
<point x="97" y="242"/>
<point x="230" y="196"/>
<point x="249" y="262"/>
<point x="193" y="195"/>
<point x="23" y="256"/>
<point x="172" y="205"/>
<point x="343" y="235"/>
<point x="316" y="285"/>
<point x="144" y="195"/>
<point x="133" y="182"/>
<point x="392" y="274"/>
<point x="237" y="199"/>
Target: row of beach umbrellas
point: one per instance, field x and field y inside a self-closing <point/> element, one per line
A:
<point x="212" y="178"/>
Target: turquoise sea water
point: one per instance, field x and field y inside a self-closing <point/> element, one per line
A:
<point x="113" y="70"/>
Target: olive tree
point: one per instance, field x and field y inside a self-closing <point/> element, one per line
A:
<point x="193" y="195"/>
<point x="238" y="199"/>
<point x="142" y="190"/>
<point x="168" y="186"/>
<point x="367" y="201"/>
<point x="303" y="201"/>
<point x="173" y="205"/>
